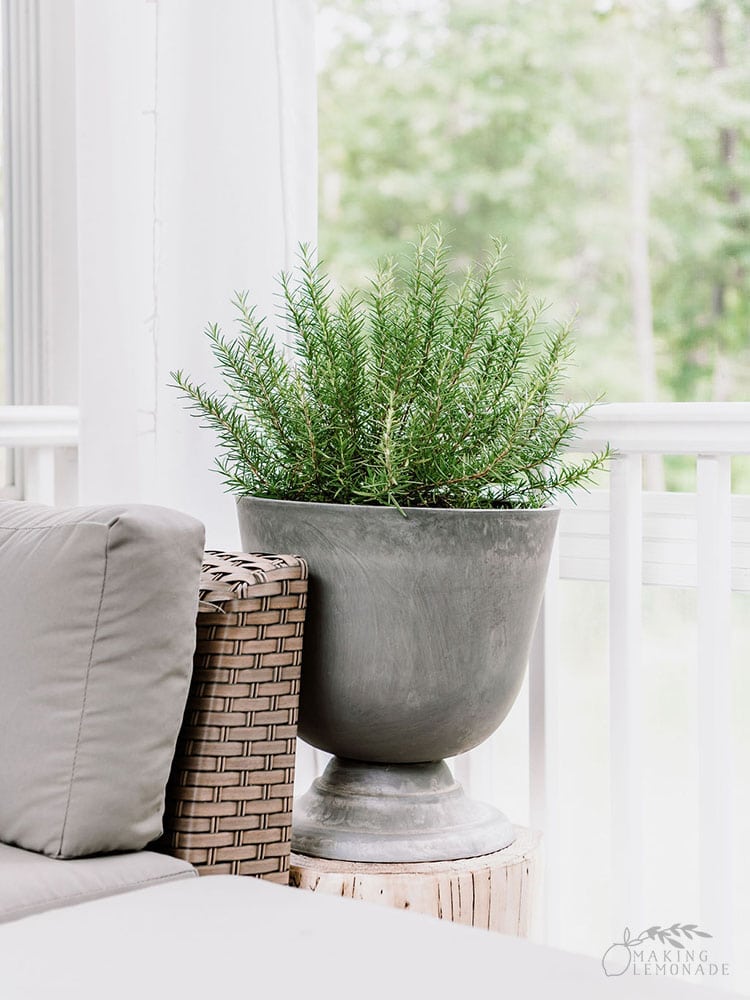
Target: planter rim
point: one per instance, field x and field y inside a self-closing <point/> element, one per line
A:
<point x="316" y="504"/>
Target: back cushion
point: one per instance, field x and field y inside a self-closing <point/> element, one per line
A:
<point x="97" y="630"/>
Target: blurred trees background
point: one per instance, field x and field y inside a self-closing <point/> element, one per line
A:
<point x="607" y="141"/>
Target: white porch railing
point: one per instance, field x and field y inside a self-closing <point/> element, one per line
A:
<point x="629" y="538"/>
<point x="37" y="432"/>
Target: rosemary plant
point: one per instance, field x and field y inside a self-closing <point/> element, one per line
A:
<point x="412" y="393"/>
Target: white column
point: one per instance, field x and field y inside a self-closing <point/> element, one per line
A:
<point x="114" y="56"/>
<point x="625" y="627"/>
<point x="196" y="177"/>
<point x="21" y="184"/>
<point x="58" y="187"/>
<point x="714" y="695"/>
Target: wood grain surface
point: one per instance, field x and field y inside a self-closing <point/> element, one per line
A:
<point x="499" y="892"/>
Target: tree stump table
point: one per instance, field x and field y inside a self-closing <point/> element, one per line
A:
<point x="498" y="892"/>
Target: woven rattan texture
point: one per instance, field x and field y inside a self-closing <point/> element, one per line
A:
<point x="229" y="799"/>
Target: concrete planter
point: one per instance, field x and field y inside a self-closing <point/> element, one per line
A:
<point x="416" y="644"/>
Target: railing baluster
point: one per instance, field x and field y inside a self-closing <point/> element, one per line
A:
<point x="625" y="626"/>
<point x="714" y="694"/>
<point x="39" y="483"/>
<point x="544" y="797"/>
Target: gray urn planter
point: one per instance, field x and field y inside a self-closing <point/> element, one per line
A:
<point x="416" y="643"/>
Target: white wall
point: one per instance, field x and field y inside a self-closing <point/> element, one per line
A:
<point x="196" y="176"/>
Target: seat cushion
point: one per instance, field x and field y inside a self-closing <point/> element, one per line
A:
<point x="31" y="883"/>
<point x="228" y="936"/>
<point x="97" y="617"/>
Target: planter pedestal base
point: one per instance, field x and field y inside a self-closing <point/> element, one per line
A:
<point x="394" y="813"/>
<point x="499" y="892"/>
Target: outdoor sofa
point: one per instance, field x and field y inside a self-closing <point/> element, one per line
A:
<point x="228" y="802"/>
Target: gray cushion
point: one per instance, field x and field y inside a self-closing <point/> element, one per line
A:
<point x="31" y="883"/>
<point x="97" y="618"/>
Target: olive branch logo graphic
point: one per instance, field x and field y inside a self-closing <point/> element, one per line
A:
<point x="617" y="958"/>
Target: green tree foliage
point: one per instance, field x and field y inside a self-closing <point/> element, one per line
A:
<point x="702" y="212"/>
<point x="415" y="393"/>
<point x="512" y="116"/>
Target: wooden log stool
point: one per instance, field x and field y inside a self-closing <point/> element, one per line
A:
<point x="499" y="892"/>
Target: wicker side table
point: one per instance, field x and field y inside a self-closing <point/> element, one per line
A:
<point x="229" y="798"/>
<point x="498" y="892"/>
